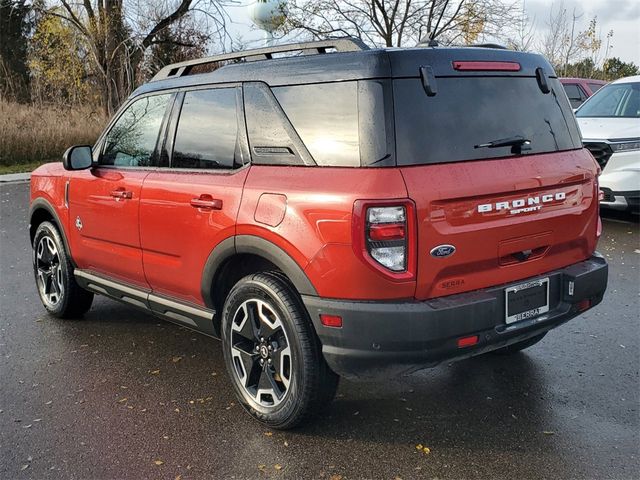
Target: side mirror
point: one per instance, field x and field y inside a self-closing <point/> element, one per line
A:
<point x="78" y="157"/>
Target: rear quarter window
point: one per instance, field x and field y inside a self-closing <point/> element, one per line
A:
<point x="325" y="116"/>
<point x="469" y="111"/>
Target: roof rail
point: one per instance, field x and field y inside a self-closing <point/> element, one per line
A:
<point x="346" y="44"/>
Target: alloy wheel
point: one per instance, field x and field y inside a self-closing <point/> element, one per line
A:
<point x="261" y="353"/>
<point x="49" y="271"/>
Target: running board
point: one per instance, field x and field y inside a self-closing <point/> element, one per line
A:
<point x="189" y="315"/>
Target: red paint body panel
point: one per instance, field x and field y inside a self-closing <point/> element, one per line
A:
<point x="177" y="237"/>
<point x="48" y="182"/>
<point x="109" y="240"/>
<point x="316" y="229"/>
<point x="160" y="228"/>
<point x="448" y="195"/>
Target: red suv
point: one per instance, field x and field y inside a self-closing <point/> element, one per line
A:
<point x="347" y="212"/>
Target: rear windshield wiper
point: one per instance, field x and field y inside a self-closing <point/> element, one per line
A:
<point x="517" y="144"/>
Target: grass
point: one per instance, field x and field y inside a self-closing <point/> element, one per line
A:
<point x="32" y="135"/>
<point x="22" y="167"/>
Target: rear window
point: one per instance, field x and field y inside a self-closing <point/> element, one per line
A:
<point x="471" y="111"/>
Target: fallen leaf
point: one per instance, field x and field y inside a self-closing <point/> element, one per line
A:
<point x="176" y="359"/>
<point x="27" y="426"/>
<point x="49" y="402"/>
<point x="277" y="466"/>
<point x="158" y="462"/>
<point x="548" y="432"/>
<point x="122" y="400"/>
<point x="155" y="372"/>
<point x="262" y="467"/>
<point x="286" y="444"/>
<point x="179" y="477"/>
<point x="37" y="419"/>
<point x="335" y="476"/>
<point x="268" y="434"/>
<point x="24" y="467"/>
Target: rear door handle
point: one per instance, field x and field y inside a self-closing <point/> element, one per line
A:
<point x="207" y="202"/>
<point x="121" y="193"/>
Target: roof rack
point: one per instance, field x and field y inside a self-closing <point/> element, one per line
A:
<point x="181" y="69"/>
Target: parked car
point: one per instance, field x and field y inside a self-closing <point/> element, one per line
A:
<point x="579" y="89"/>
<point x="610" y="125"/>
<point x="347" y="212"/>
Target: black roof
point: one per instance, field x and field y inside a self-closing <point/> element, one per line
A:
<point x="352" y="64"/>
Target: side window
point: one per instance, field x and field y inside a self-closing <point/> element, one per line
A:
<point x="326" y="118"/>
<point x="272" y="139"/>
<point x="573" y="92"/>
<point x="207" y="130"/>
<point x="595" y="87"/>
<point x="132" y="140"/>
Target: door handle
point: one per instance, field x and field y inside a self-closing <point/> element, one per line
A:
<point x="206" y="202"/>
<point x="122" y="194"/>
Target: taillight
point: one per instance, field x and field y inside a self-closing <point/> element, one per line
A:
<point x="384" y="236"/>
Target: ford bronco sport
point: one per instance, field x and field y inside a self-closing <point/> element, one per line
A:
<point x="346" y="212"/>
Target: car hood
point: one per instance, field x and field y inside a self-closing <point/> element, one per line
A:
<point x="594" y="128"/>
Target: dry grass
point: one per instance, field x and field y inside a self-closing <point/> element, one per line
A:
<point x="31" y="134"/>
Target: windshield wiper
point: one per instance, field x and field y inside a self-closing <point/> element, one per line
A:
<point x="517" y="144"/>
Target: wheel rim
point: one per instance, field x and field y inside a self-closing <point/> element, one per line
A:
<point x="260" y="353"/>
<point x="49" y="271"/>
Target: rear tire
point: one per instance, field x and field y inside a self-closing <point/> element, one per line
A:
<point x="272" y="353"/>
<point x="59" y="292"/>
<point x="517" y="347"/>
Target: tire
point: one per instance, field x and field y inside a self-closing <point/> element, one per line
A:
<point x="283" y="379"/>
<point x="61" y="296"/>
<point x="517" y="347"/>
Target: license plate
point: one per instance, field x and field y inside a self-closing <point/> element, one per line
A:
<point x="527" y="300"/>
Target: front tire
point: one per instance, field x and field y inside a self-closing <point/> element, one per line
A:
<point x="61" y="296"/>
<point x="272" y="354"/>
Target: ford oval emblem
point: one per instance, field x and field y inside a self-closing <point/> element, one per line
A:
<point x="443" y="251"/>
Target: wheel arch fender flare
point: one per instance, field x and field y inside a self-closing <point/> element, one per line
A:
<point x="251" y="244"/>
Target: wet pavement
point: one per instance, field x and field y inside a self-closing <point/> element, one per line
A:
<point x="121" y="394"/>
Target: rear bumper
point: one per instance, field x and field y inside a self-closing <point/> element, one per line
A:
<point x="383" y="339"/>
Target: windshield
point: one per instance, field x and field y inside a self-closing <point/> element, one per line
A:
<point x="472" y="118"/>
<point x="617" y="100"/>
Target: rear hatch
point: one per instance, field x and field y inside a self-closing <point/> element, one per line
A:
<point x="491" y="155"/>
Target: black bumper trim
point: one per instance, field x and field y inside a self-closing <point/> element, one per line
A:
<point x="383" y="339"/>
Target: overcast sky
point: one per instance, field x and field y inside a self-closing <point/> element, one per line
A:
<point x="623" y="16"/>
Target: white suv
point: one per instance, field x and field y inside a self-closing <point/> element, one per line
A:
<point x="610" y="126"/>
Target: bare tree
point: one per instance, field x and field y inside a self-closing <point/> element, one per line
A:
<point x="400" y="22"/>
<point x="523" y="34"/>
<point x="564" y="43"/>
<point x="117" y="34"/>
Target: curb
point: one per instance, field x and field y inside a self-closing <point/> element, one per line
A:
<point x="15" y="177"/>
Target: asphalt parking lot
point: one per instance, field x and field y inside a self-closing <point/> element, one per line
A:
<point x="121" y="394"/>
